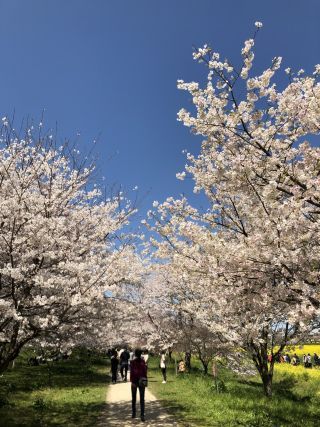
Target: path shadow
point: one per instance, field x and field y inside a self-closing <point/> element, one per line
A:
<point x="119" y="414"/>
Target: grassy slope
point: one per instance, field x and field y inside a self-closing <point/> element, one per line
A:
<point x="296" y="400"/>
<point x="72" y="394"/>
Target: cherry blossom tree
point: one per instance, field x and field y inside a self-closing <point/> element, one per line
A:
<point x="61" y="245"/>
<point x="256" y="248"/>
<point x="172" y="306"/>
<point x="107" y="322"/>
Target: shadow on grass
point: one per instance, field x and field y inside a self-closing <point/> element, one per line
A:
<point x="33" y="395"/>
<point x="64" y="375"/>
<point x="71" y="415"/>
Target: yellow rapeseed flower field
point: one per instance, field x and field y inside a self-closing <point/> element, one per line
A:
<point x="300" y="370"/>
<point x="303" y="349"/>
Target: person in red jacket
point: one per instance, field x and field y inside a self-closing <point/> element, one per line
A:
<point x="138" y="378"/>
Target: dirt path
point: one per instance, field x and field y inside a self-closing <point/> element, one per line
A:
<point x="118" y="409"/>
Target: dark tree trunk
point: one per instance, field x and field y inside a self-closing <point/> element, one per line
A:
<point x="266" y="375"/>
<point x="4" y="364"/>
<point x="259" y="353"/>
<point x="260" y="358"/>
<point x="205" y="367"/>
<point x="7" y="360"/>
<point x="204" y="363"/>
<point x="267" y="383"/>
<point x="9" y="351"/>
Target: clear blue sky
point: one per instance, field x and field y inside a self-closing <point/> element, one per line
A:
<point x="108" y="69"/>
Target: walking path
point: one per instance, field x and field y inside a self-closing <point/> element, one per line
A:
<point x="118" y="409"/>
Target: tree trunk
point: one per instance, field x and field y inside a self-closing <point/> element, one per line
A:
<point x="8" y="360"/>
<point x="9" y="351"/>
<point x="267" y="383"/>
<point x="4" y="364"/>
<point x="260" y="358"/>
<point x="205" y="366"/>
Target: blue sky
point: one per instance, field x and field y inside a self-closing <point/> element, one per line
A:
<point x="107" y="69"/>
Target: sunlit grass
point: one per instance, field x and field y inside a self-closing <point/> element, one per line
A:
<point x="241" y="402"/>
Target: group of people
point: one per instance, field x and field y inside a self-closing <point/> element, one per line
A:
<point x="121" y="358"/>
<point x="308" y="362"/>
<point x="307" y="359"/>
<point x="137" y="363"/>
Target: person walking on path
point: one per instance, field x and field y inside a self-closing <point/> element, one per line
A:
<point x="145" y="356"/>
<point x="163" y="366"/>
<point x="124" y="363"/>
<point x="138" y="378"/>
<point x="114" y="366"/>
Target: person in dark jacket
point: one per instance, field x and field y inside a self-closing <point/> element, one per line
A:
<point x="114" y="366"/>
<point x="138" y="378"/>
<point x="124" y="364"/>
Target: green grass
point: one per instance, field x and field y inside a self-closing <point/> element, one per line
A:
<point x="194" y="400"/>
<point x="70" y="392"/>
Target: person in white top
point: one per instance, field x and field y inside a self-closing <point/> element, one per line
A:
<point x="131" y="356"/>
<point x="145" y="357"/>
<point x="163" y="366"/>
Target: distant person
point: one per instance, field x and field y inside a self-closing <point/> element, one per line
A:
<point x="297" y="359"/>
<point x="145" y="356"/>
<point x="139" y="379"/>
<point x="181" y="367"/>
<point x="114" y="366"/>
<point x="309" y="361"/>
<point x="316" y="359"/>
<point x="131" y="353"/>
<point x="124" y="364"/>
<point x="288" y="358"/>
<point x="163" y="366"/>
